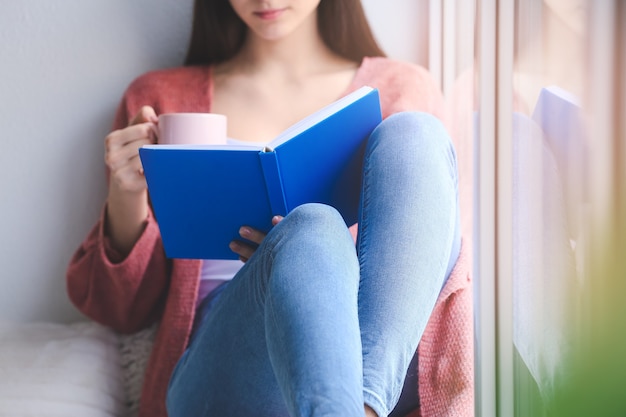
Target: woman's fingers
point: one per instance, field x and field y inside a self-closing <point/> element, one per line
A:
<point x="246" y="250"/>
<point x="141" y="130"/>
<point x="118" y="157"/>
<point x="243" y="249"/>
<point x="251" y="234"/>
<point x="145" y="114"/>
<point x="130" y="176"/>
<point x="125" y="166"/>
<point x="120" y="138"/>
<point x="121" y="150"/>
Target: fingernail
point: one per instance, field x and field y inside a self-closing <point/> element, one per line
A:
<point x="245" y="232"/>
<point x="233" y="246"/>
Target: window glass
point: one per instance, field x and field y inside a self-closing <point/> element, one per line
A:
<point x="549" y="147"/>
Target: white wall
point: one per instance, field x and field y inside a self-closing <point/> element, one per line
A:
<point x="401" y="27"/>
<point x="64" y="66"/>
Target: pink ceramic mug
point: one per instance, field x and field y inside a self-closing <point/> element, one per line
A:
<point x="192" y="129"/>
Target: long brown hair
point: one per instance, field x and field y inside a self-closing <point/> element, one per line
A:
<point x="218" y="33"/>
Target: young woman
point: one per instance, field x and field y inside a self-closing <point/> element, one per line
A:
<point x="309" y="324"/>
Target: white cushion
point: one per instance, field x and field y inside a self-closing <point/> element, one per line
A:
<point x="49" y="370"/>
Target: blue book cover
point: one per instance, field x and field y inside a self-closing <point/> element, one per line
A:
<point x="202" y="194"/>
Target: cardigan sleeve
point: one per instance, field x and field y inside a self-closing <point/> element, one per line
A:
<point x="126" y="293"/>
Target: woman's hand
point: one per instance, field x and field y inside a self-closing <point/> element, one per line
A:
<point x="121" y="151"/>
<point x="245" y="250"/>
<point x="127" y="202"/>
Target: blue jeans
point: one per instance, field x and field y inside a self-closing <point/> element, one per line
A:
<point x="311" y="325"/>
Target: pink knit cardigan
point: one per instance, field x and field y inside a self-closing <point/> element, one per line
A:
<point x="129" y="294"/>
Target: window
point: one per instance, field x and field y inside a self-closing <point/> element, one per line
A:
<point x="536" y="93"/>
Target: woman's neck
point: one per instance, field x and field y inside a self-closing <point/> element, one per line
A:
<point x="270" y="85"/>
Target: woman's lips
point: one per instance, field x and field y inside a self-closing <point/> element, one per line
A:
<point x="269" y="14"/>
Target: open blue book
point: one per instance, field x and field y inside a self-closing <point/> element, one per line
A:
<point x="202" y="194"/>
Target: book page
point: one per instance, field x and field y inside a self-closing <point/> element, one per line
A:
<point x="317" y="117"/>
<point x="205" y="147"/>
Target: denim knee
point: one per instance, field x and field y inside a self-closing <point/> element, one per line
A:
<point x="313" y="237"/>
<point x="421" y="125"/>
<point x="316" y="217"/>
<point x="315" y="213"/>
<point x="418" y="136"/>
<point x="314" y="225"/>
